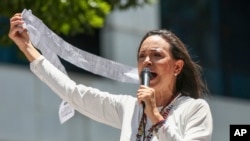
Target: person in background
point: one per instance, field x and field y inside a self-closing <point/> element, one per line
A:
<point x="174" y="105"/>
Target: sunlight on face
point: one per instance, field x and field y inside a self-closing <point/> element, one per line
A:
<point x="155" y="54"/>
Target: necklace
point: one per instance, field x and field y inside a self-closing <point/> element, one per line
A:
<point x="141" y="130"/>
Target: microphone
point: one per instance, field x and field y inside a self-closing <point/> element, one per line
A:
<point x="145" y="76"/>
<point x="145" y="79"/>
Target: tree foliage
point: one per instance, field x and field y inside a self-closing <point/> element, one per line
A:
<point x="66" y="17"/>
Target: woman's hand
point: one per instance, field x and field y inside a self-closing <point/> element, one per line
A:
<point x="146" y="95"/>
<point x="21" y="38"/>
<point x="17" y="33"/>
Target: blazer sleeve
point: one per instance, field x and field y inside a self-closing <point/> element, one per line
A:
<point x="98" y="105"/>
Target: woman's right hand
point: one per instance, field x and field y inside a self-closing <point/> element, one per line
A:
<point x="21" y="38"/>
<point x="17" y="33"/>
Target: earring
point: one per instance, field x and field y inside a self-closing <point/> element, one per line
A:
<point x="175" y="74"/>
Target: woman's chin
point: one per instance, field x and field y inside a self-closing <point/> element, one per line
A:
<point x="153" y="82"/>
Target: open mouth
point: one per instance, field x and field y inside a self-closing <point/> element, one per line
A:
<point x="153" y="75"/>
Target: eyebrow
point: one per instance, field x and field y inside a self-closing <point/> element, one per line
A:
<point x="152" y="49"/>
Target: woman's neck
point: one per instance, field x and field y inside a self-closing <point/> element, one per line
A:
<point x="164" y="98"/>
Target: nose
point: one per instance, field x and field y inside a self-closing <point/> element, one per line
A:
<point x="147" y="62"/>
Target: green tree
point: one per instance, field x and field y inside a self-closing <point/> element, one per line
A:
<point x="66" y="17"/>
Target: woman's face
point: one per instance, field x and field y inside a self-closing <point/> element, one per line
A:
<point x="155" y="54"/>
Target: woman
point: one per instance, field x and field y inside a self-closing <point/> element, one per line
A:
<point x="173" y="108"/>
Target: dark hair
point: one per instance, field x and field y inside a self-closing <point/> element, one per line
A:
<point x="189" y="82"/>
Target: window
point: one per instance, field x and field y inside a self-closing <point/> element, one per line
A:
<point x="216" y="33"/>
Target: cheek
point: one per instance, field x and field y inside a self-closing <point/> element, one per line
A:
<point x="167" y="66"/>
<point x="139" y="67"/>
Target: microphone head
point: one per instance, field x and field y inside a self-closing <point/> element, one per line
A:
<point x="145" y="76"/>
<point x="146" y="70"/>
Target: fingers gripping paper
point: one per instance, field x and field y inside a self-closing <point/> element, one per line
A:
<point x="52" y="46"/>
